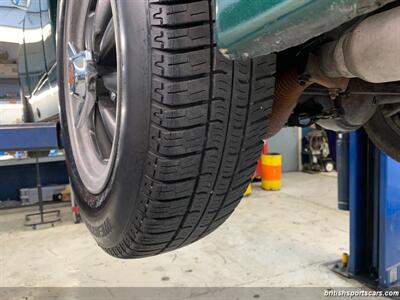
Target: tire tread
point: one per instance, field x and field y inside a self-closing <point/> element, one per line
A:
<point x="208" y="118"/>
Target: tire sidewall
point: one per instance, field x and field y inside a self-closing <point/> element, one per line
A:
<point x="383" y="135"/>
<point x="110" y="220"/>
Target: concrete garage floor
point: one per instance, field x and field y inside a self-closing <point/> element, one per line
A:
<point x="279" y="239"/>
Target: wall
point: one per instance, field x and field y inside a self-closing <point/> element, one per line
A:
<point x="287" y="142"/>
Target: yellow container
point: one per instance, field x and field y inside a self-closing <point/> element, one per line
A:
<point x="248" y="190"/>
<point x="345" y="259"/>
<point x="271" y="171"/>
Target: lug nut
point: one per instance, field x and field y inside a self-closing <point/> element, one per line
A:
<point x="113" y="96"/>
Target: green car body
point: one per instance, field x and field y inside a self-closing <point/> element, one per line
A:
<point x="250" y="28"/>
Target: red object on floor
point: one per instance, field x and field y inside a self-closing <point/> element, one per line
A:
<point x="257" y="174"/>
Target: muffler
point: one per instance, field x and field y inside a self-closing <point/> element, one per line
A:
<point x="371" y="51"/>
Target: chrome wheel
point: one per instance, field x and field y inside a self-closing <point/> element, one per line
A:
<point x="92" y="103"/>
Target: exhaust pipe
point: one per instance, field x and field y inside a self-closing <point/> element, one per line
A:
<point x="371" y="51"/>
<point x="290" y="85"/>
<point x="287" y="93"/>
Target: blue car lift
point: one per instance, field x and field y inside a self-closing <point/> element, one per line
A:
<point x="369" y="186"/>
<point x="33" y="137"/>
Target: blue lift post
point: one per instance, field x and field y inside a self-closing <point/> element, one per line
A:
<point x="389" y="222"/>
<point x="359" y="196"/>
<point x="374" y="203"/>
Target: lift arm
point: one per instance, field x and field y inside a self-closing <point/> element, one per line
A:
<point x="29" y="136"/>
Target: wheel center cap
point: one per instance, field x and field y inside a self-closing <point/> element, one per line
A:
<point x="82" y="72"/>
<point x="82" y="77"/>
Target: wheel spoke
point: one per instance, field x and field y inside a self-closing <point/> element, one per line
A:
<point x="104" y="141"/>
<point x="72" y="51"/>
<point x="102" y="17"/>
<point x="390" y="110"/>
<point x="110" y="81"/>
<point x="77" y="98"/>
<point x="85" y="109"/>
<point x="388" y="99"/>
<point x="108" y="115"/>
<point x="89" y="32"/>
<point x="107" y="44"/>
<point x="77" y="32"/>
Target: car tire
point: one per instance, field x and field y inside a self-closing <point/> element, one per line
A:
<point x="385" y="133"/>
<point x="190" y="129"/>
